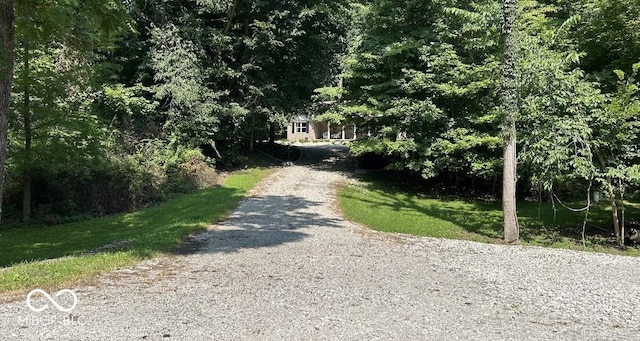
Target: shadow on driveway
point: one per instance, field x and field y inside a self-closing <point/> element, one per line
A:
<point x="273" y="220"/>
<point x="326" y="157"/>
<point x="261" y="222"/>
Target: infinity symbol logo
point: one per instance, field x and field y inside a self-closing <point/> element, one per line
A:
<point x="53" y="301"/>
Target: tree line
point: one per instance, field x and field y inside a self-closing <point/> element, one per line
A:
<point x="116" y="104"/>
<point x="445" y="84"/>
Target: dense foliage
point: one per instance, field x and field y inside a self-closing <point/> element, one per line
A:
<point x="117" y="104"/>
<point x="423" y="78"/>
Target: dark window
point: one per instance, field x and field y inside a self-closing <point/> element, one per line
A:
<point x="301" y="127"/>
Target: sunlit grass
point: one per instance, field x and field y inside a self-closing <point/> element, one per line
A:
<point x="49" y="256"/>
<point x="390" y="208"/>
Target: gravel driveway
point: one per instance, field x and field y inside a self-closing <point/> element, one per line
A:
<point x="285" y="266"/>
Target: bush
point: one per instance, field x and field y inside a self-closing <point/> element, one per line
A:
<point x="122" y="184"/>
<point x="226" y="157"/>
<point x="189" y="170"/>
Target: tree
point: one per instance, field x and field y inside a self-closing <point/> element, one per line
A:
<point x="228" y="71"/>
<point x="609" y="36"/>
<point x="509" y="97"/>
<point x="421" y="77"/>
<point x="56" y="46"/>
<point x="7" y="32"/>
<point x="575" y="138"/>
<point x="615" y="141"/>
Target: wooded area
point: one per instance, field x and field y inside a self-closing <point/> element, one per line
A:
<point x="118" y="104"/>
<point x="426" y="75"/>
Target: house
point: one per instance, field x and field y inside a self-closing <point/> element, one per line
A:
<point x="304" y="128"/>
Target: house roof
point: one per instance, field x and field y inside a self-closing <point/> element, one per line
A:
<point x="302" y="118"/>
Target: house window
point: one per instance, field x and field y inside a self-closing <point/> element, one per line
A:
<point x="301" y="127"/>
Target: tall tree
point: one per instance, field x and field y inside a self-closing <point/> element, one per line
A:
<point x="7" y="19"/>
<point x="55" y="39"/>
<point x="421" y="77"/>
<point x="228" y="70"/>
<point x="509" y="93"/>
<point x="608" y="36"/>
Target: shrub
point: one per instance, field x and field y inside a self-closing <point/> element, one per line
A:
<point x="120" y="184"/>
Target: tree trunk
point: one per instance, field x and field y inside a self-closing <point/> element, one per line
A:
<point x="230" y="16"/>
<point x="612" y="201"/>
<point x="272" y="133"/>
<point x="26" y="113"/>
<point x="252" y="133"/>
<point x="7" y="32"/>
<point x="614" y="213"/>
<point x="510" y="110"/>
<point x="622" y="217"/>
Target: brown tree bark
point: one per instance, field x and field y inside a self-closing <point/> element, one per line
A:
<point x="510" y="110"/>
<point x="7" y="32"/>
<point x="612" y="201"/>
<point x="614" y="213"/>
<point x="252" y="134"/>
<point x="26" y="114"/>
<point x="230" y="16"/>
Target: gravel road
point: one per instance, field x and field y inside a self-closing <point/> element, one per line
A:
<point x="285" y="266"/>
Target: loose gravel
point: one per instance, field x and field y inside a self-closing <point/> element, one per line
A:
<point x="286" y="266"/>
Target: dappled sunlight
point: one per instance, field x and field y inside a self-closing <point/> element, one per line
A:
<point x="273" y="220"/>
<point x="325" y="157"/>
<point x="386" y="206"/>
<point x="44" y="245"/>
<point x="429" y="214"/>
<point x="425" y="215"/>
<point x="147" y="232"/>
<point x="265" y="222"/>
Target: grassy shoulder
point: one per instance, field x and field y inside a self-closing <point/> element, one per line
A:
<point x="52" y="256"/>
<point x="388" y="208"/>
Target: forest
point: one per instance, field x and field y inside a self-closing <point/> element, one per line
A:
<point x="116" y="104"/>
<point x="119" y="104"/>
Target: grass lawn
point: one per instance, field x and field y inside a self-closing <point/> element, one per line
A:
<point x="389" y="207"/>
<point x="52" y="256"/>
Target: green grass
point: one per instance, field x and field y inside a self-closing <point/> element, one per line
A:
<point x="148" y="233"/>
<point x="388" y="207"/>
